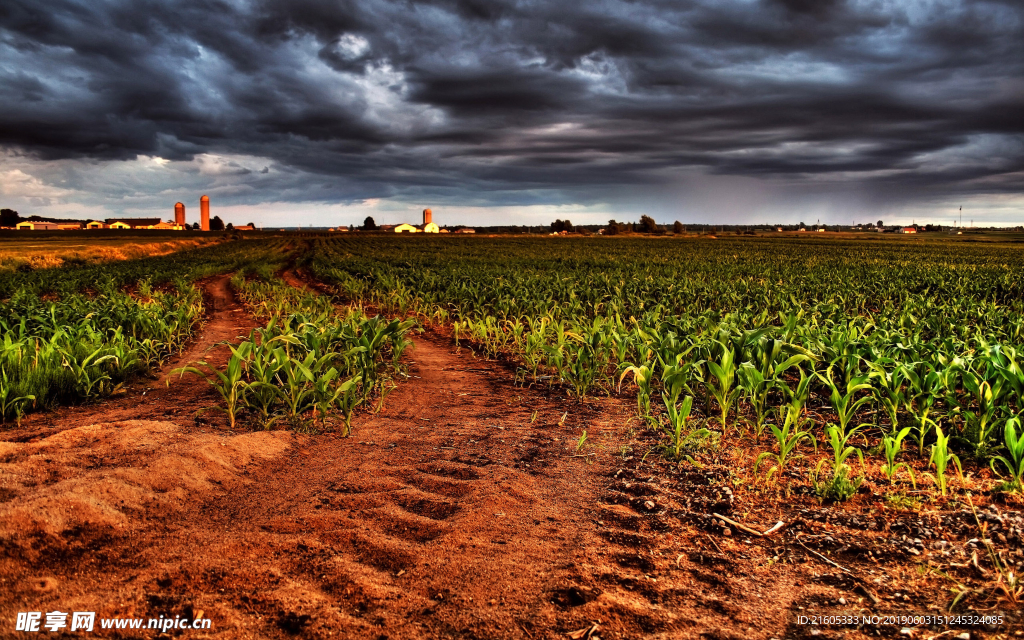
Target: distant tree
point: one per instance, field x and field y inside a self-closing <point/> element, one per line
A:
<point x="677" y="227"/>
<point x="648" y="225"/>
<point x="612" y="229"/>
<point x="195" y="226"/>
<point x="216" y="224"/>
<point x="369" y="224"/>
<point x="9" y="218"/>
<point x="230" y="227"/>
<point x="251" y="225"/>
<point x="880" y="224"/>
<point x="803" y="226"/>
<point x="561" y="225"/>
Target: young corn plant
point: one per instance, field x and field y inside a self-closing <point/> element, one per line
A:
<point x="347" y="399"/>
<point x="893" y="446"/>
<point x="787" y="438"/>
<point x="840" y="487"/>
<point x="680" y="439"/>
<point x="10" y="405"/>
<point x="230" y="383"/>
<point x="941" y="459"/>
<point x="981" y="419"/>
<point x="925" y="387"/>
<point x="580" y="370"/>
<point x="888" y="390"/>
<point x="90" y="380"/>
<point x="724" y="390"/>
<point x="1013" y="461"/>
<point x="843" y="399"/>
<point x="642" y="377"/>
<point x="757" y="388"/>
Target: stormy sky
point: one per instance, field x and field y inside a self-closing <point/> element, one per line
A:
<point x="503" y="111"/>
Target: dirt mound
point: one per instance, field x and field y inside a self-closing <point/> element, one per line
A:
<point x="105" y="475"/>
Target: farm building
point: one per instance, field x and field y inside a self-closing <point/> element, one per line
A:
<point x="428" y="225"/>
<point x="95" y="224"/>
<point x="37" y="226"/>
<point x="133" y="223"/>
<point x="909" y="229"/>
<point x="69" y="226"/>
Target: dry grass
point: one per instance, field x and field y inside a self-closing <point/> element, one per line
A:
<point x="44" y="253"/>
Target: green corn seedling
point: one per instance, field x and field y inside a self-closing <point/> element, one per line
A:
<point x="787" y="438"/>
<point x="843" y="400"/>
<point x="1013" y="461"/>
<point x="941" y="459"/>
<point x="724" y="390"/>
<point x="680" y="439"/>
<point x="229" y="383"/>
<point x="893" y="447"/>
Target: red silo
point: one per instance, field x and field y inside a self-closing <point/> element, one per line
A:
<point x="179" y="214"/>
<point x="428" y="216"/>
<point x="204" y="213"/>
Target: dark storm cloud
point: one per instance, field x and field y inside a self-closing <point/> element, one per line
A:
<point x="460" y="98"/>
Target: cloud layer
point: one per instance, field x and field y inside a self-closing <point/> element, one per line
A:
<point x="829" y="105"/>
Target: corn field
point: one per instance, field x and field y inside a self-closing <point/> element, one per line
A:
<point x="78" y="333"/>
<point x="884" y="352"/>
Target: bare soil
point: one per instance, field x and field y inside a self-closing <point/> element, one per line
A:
<point x="463" y="509"/>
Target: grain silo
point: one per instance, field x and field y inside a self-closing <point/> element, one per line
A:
<point x="179" y="214"/>
<point x="204" y="213"/>
<point x="428" y="217"/>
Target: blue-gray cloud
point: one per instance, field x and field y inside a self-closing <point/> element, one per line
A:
<point x="526" y="101"/>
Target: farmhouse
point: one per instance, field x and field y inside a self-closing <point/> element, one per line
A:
<point x="909" y="230"/>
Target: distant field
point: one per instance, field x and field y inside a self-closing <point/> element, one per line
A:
<point x="44" y="251"/>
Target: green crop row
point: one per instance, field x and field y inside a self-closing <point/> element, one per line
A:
<point x="70" y="334"/>
<point x="309" y="362"/>
<point x="835" y="343"/>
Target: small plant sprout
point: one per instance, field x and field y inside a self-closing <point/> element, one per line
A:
<point x="581" y="442"/>
<point x="230" y="384"/>
<point x="787" y="438"/>
<point x="679" y="439"/>
<point x="893" y="447"/>
<point x="941" y="459"/>
<point x="840" y="486"/>
<point x="1013" y="461"/>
